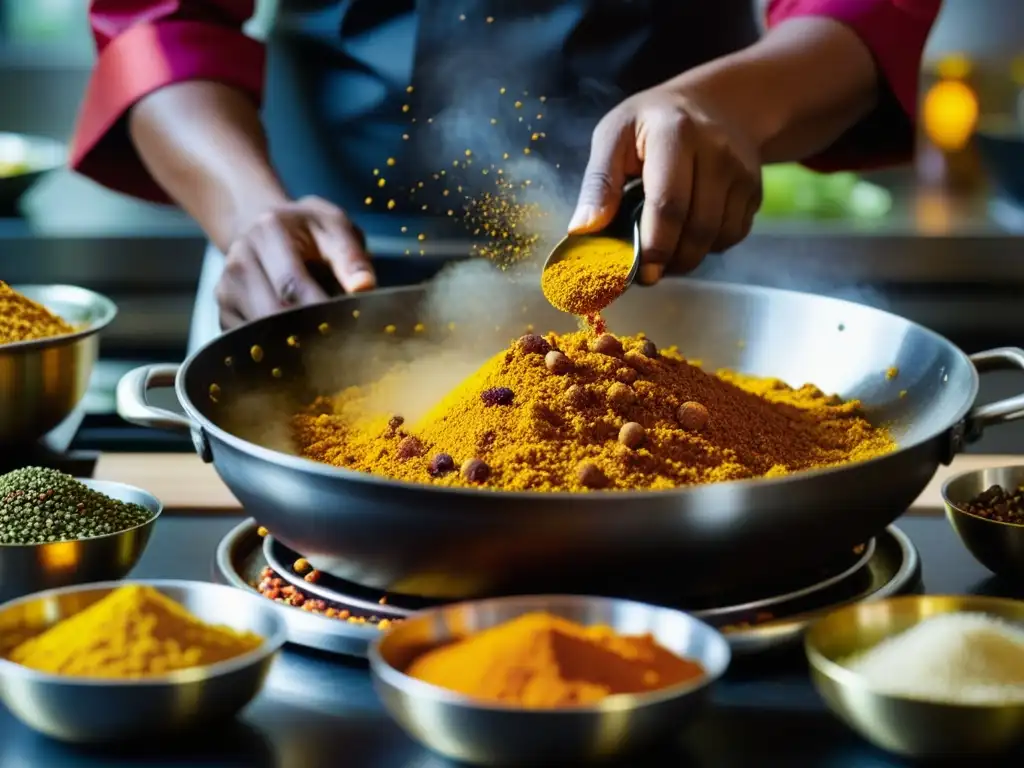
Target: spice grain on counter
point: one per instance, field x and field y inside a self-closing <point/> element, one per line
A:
<point x="523" y="423"/>
<point x="22" y="319"/>
<point x="273" y="587"/>
<point x="997" y="504"/>
<point x="539" y="660"/>
<point x="39" y="505"/>
<point x="133" y="632"/>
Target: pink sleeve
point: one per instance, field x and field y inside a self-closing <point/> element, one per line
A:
<point x="145" y="45"/>
<point x="895" y="31"/>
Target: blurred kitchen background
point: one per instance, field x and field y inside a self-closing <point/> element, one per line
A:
<point x="938" y="242"/>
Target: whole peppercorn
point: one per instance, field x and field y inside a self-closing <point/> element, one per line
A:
<point x="475" y="470"/>
<point x="557" y="362"/>
<point x="692" y="416"/>
<point x="649" y="349"/>
<point x="44" y="505"/>
<point x="410" y="448"/>
<point x="441" y="464"/>
<point x="531" y="343"/>
<point x="590" y="476"/>
<point x="632" y="435"/>
<point x="626" y="375"/>
<point x="497" y="396"/>
<point x="394" y="423"/>
<point x="606" y="344"/>
<point x="620" y="395"/>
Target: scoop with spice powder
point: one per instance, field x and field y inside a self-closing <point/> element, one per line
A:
<point x="587" y="273"/>
<point x="540" y="661"/>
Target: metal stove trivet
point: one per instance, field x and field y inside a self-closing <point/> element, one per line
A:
<point x="887" y="566"/>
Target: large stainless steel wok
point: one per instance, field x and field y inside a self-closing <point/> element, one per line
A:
<point x="461" y="542"/>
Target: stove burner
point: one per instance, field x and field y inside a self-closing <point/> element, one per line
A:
<point x="312" y="609"/>
<point x="325" y="586"/>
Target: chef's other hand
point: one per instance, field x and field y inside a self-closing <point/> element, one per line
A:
<point x="269" y="267"/>
<point x="701" y="176"/>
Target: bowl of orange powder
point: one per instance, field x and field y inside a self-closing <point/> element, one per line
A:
<point x="546" y="679"/>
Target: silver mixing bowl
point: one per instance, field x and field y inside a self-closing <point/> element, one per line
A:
<point x="461" y="728"/>
<point x="42" y="381"/>
<point x="91" y="710"/>
<point x="27" y="568"/>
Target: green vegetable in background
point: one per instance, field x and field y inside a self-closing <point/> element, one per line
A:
<point x="792" y="191"/>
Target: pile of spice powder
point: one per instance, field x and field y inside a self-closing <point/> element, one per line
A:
<point x="39" y="505"/>
<point x="579" y="412"/>
<point x="133" y="632"/>
<point x="22" y="319"/>
<point x="591" y="274"/>
<point x="539" y="661"/>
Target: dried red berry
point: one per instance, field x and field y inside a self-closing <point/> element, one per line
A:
<point x="534" y="344"/>
<point x="410" y="448"/>
<point x="441" y="464"/>
<point x="475" y="470"/>
<point x="497" y="396"/>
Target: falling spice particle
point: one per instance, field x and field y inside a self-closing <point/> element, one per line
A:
<point x="403" y="229"/>
<point x="490" y="19"/>
<point x="376" y="171"/>
<point x="391" y="205"/>
<point x="292" y="341"/>
<point x="324" y="329"/>
<point x="518" y="105"/>
<point x="462" y="17"/>
<point x="355" y="313"/>
<point x="501" y="91"/>
<point x="408" y="89"/>
<point x="214" y="392"/>
<point x="421" y="237"/>
<point x="368" y="201"/>
<point x="381" y="182"/>
<point x="419" y="328"/>
<point x="405" y="107"/>
<point x="526" y="151"/>
<point x="256" y="353"/>
<point x="276" y="373"/>
<point x="391" y="161"/>
<point x="405" y="137"/>
<point x="389" y="328"/>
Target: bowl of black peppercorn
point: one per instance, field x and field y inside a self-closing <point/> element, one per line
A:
<point x="986" y="509"/>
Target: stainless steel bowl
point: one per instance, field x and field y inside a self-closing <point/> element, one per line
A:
<point x="463" y="729"/>
<point x="27" y="568"/>
<point x="85" y="710"/>
<point x="909" y="727"/>
<point x="42" y="381"/>
<point x="997" y="546"/>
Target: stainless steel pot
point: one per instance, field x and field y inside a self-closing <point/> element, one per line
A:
<point x="445" y="542"/>
<point x="42" y="381"/>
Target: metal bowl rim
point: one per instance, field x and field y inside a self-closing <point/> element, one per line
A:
<point x="411" y="687"/>
<point x="952" y="506"/>
<point x="108" y="311"/>
<point x="306" y="465"/>
<point x="270" y="645"/>
<point x="845" y="677"/>
<point x="156" y="509"/>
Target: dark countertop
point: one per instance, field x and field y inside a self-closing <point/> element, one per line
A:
<point x="320" y="712"/>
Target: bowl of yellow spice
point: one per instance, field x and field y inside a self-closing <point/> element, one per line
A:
<point x="49" y="344"/>
<point x="120" y="661"/>
<point x="546" y="679"/>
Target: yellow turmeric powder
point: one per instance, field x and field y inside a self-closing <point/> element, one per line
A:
<point x="133" y="632"/>
<point x="542" y="661"/>
<point x="578" y="412"/>
<point x="22" y="319"/>
<point x="590" y="276"/>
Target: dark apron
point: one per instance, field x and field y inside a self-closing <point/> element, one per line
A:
<point x="338" y="74"/>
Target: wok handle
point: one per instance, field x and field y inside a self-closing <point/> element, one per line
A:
<point x="1002" y="411"/>
<point x="133" y="398"/>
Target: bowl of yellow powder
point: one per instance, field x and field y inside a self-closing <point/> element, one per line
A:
<point x="49" y="343"/>
<point x="925" y="676"/>
<point x="120" y="661"/>
<point x="546" y="679"/>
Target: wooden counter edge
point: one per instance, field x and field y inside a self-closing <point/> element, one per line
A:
<point x="187" y="485"/>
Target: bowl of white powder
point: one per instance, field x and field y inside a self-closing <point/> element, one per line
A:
<point x="925" y="676"/>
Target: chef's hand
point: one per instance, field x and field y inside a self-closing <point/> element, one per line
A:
<point x="701" y="177"/>
<point x="268" y="267"/>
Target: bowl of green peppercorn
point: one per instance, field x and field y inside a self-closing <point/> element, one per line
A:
<point x="57" y="531"/>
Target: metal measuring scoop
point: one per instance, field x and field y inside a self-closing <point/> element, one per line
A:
<point x="625" y="226"/>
